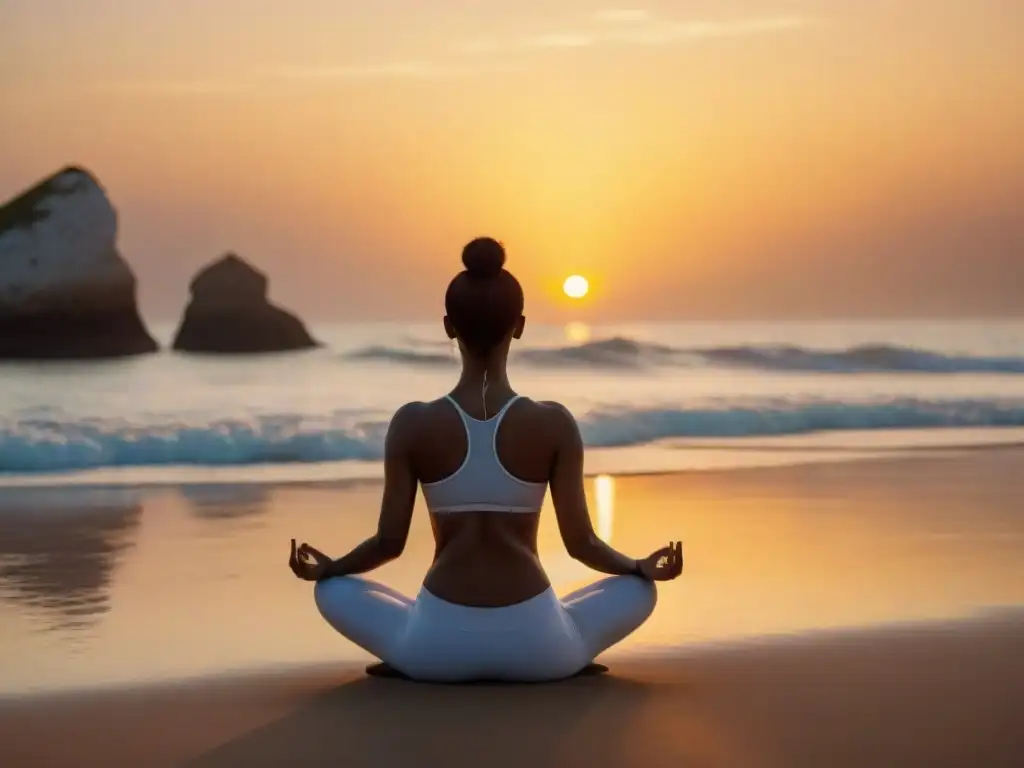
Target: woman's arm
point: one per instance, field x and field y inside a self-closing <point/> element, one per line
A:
<point x="396" y="505"/>
<point x="570" y="500"/>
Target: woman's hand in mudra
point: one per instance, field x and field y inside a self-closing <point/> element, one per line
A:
<point x="308" y="563"/>
<point x="663" y="565"/>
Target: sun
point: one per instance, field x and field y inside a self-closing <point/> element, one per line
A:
<point x="576" y="286"/>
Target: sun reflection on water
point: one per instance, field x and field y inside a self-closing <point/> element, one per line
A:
<point x="563" y="571"/>
<point x="577" y="333"/>
<point x="604" y="494"/>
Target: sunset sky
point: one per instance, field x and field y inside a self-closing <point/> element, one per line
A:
<point x="692" y="159"/>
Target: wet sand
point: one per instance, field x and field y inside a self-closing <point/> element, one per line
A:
<point x="135" y="621"/>
<point x="927" y="695"/>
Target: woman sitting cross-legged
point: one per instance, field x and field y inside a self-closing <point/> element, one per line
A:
<point x="485" y="457"/>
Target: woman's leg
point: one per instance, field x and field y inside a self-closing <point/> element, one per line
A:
<point x="608" y="610"/>
<point x="371" y="615"/>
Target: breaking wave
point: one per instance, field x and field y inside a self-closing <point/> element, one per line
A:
<point x="33" y="445"/>
<point x="620" y="353"/>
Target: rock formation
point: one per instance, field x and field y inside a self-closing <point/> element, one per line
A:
<point x="65" y="292"/>
<point x="229" y="313"/>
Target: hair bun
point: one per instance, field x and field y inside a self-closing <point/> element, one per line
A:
<point x="483" y="257"/>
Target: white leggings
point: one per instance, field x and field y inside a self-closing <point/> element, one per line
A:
<point x="542" y="638"/>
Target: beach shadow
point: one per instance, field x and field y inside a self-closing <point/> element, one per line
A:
<point x="59" y="550"/>
<point x="382" y="722"/>
<point x="384" y="670"/>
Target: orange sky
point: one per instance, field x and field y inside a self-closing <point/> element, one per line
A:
<point x="711" y="159"/>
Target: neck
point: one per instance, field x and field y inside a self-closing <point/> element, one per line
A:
<point x="473" y="370"/>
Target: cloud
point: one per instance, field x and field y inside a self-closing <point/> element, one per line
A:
<point x="622" y="15"/>
<point x="637" y="27"/>
<point x="692" y="30"/>
<point x="394" y="70"/>
<point x="174" y="87"/>
<point x="666" y="32"/>
<point x="562" y="40"/>
<point x="474" y="47"/>
<point x="612" y="26"/>
<point x="417" y="70"/>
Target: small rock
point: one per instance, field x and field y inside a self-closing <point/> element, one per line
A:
<point x="229" y="313"/>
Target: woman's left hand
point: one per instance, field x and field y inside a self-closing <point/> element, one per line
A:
<point x="664" y="565"/>
<point x="308" y="563"/>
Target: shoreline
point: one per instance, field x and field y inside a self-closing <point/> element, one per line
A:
<point x="935" y="693"/>
<point x="853" y="613"/>
<point x="249" y="475"/>
<point x="98" y="592"/>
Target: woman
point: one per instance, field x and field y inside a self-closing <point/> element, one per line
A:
<point x="484" y="457"/>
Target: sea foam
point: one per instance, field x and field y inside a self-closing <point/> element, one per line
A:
<point x="34" y="445"/>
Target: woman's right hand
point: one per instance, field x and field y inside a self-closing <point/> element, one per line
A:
<point x="308" y="563"/>
<point x="664" y="564"/>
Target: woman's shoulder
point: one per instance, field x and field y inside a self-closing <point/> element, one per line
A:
<point x="553" y="408"/>
<point x="412" y="412"/>
<point x="419" y="411"/>
<point x="546" y="409"/>
<point x="550" y="415"/>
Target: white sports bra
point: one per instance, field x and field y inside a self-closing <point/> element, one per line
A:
<point x="482" y="484"/>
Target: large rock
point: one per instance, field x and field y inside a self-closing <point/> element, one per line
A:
<point x="65" y="292"/>
<point x="229" y="313"/>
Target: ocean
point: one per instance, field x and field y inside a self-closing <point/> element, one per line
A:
<point x="649" y="398"/>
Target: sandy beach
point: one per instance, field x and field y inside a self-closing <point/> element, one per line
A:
<point x="930" y="695"/>
<point x="859" y="613"/>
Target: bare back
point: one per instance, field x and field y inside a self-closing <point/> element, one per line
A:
<point x="485" y="558"/>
